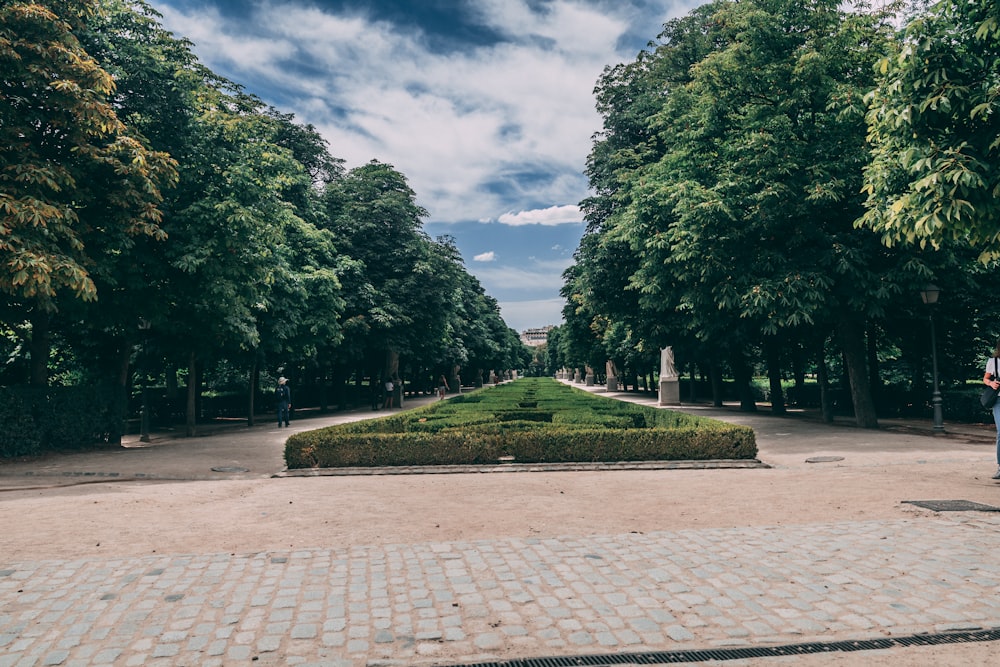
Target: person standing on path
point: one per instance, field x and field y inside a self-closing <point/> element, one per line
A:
<point x="442" y="387"/>
<point x="283" y="397"/>
<point x="388" y="387"/>
<point x="990" y="378"/>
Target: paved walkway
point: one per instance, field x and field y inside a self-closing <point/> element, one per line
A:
<point x="488" y="601"/>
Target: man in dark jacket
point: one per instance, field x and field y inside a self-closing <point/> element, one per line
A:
<point x="283" y="396"/>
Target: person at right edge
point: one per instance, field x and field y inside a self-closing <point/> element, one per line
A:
<point x="990" y="378"/>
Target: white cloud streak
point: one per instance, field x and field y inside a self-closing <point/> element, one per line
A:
<point x="554" y="215"/>
<point x="547" y="277"/>
<point x="485" y="257"/>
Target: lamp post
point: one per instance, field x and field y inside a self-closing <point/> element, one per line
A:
<point x="929" y="295"/>
<point x="144" y="327"/>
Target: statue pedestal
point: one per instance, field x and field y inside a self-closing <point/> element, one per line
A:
<point x="670" y="392"/>
<point x="612" y="384"/>
<point x="589" y="380"/>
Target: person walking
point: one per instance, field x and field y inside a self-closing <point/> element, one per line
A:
<point x="992" y="378"/>
<point x="283" y="397"/>
<point x="388" y="387"/>
<point x="442" y="387"/>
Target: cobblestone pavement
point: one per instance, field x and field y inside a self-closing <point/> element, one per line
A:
<point x="439" y="602"/>
<point x="446" y="603"/>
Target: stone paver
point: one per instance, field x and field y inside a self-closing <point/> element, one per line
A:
<point x="435" y="603"/>
<point x="444" y="603"/>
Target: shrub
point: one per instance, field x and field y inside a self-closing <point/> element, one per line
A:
<point x="34" y="420"/>
<point x="565" y="425"/>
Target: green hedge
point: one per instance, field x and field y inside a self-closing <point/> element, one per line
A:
<point x="566" y="425"/>
<point x="37" y="420"/>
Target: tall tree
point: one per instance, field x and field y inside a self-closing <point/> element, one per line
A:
<point x="372" y="212"/>
<point x="744" y="224"/>
<point x="77" y="184"/>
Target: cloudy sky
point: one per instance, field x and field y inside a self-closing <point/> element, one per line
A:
<point x="486" y="106"/>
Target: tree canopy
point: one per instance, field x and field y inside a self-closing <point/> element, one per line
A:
<point x="731" y="178"/>
<point x="150" y="204"/>
<point x="934" y="121"/>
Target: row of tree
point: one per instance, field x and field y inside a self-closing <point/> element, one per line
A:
<point x="149" y="204"/>
<point x="776" y="181"/>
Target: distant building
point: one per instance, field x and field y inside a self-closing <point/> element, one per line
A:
<point x="536" y="337"/>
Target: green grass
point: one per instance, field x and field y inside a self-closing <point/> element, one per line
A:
<point x="533" y="420"/>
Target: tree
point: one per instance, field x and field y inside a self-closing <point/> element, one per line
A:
<point x="743" y="225"/>
<point x="934" y="126"/>
<point x="77" y="184"/>
<point x="373" y="213"/>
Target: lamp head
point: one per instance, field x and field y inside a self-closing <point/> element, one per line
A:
<point x="929" y="294"/>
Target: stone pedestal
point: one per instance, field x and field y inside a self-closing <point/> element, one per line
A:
<point x="589" y="380"/>
<point x="612" y="384"/>
<point x="670" y="392"/>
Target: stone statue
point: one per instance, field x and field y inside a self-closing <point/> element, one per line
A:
<point x="670" y="393"/>
<point x="667" y="370"/>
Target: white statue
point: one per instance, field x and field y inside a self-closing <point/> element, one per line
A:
<point x="667" y="370"/>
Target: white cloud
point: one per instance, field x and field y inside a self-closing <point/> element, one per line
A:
<point x="470" y="130"/>
<point x="503" y="126"/>
<point x="546" y="278"/>
<point x="562" y="22"/>
<point x="554" y="215"/>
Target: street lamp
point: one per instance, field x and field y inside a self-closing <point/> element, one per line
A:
<point x="929" y="295"/>
<point x="144" y="327"/>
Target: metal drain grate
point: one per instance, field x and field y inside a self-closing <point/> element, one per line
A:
<point x="953" y="505"/>
<point x="675" y="657"/>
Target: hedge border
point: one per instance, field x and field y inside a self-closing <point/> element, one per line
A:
<point x="415" y="438"/>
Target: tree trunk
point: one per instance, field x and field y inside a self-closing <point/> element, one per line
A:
<point x="390" y="368"/>
<point x="851" y="337"/>
<point x="121" y="380"/>
<point x="715" y="373"/>
<point x="873" y="376"/>
<point x="190" y="413"/>
<point x="340" y="383"/>
<point x="40" y="347"/>
<point x="799" y="374"/>
<point x="742" y="376"/>
<point x="253" y="382"/>
<point x="170" y="381"/>
<point x="823" y="377"/>
<point x="774" y="375"/>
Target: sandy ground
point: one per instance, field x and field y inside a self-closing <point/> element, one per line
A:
<point x="48" y="513"/>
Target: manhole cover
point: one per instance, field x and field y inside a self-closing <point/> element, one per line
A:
<point x="824" y="459"/>
<point x="953" y="505"/>
<point x="229" y="469"/>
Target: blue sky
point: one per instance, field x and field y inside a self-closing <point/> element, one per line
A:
<point x="486" y="106"/>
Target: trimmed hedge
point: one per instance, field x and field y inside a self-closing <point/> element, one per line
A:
<point x="567" y="425"/>
<point x="35" y="420"/>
